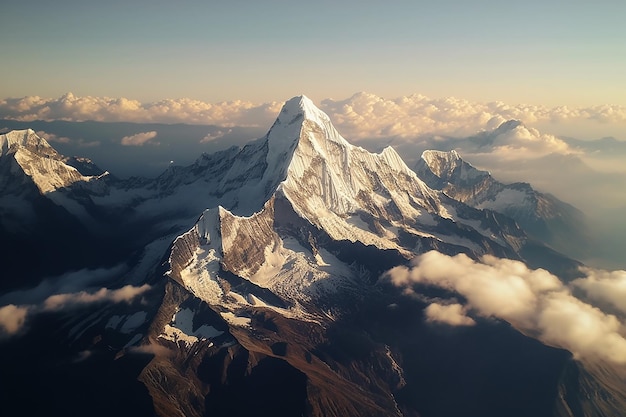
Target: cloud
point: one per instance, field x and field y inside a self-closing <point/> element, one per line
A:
<point x="604" y="287"/>
<point x="363" y="115"/>
<point x="452" y="314"/>
<point x="62" y="301"/>
<point x="522" y="142"/>
<point x="79" y="142"/>
<point x="210" y="137"/>
<point x="12" y="318"/>
<point x="69" y="282"/>
<point x="581" y="328"/>
<point x="534" y="301"/>
<point x="105" y="109"/>
<point x="153" y="349"/>
<point x="70" y="290"/>
<point x="50" y="137"/>
<point x="138" y="139"/>
<point x="366" y="115"/>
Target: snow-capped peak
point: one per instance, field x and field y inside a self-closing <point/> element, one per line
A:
<point x="302" y="105"/>
<point x="328" y="180"/>
<point x="46" y="168"/>
<point x="448" y="166"/>
<point x="301" y="110"/>
<point x="508" y="126"/>
<point x="26" y="138"/>
<point x="441" y="162"/>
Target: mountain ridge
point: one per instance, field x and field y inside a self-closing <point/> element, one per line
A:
<point x="542" y="215"/>
<point x="264" y="264"/>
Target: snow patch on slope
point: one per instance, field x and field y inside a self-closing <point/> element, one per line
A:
<point x="445" y="164"/>
<point x="200" y="274"/>
<point x="506" y="199"/>
<point x="180" y="329"/>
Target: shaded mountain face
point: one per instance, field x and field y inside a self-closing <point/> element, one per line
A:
<point x="542" y="216"/>
<point x="46" y="215"/>
<point x="263" y="265"/>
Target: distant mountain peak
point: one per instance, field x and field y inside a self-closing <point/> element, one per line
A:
<point x="27" y="138"/>
<point x="32" y="156"/>
<point x="543" y="216"/>
<point x="508" y="126"/>
<point x="446" y="165"/>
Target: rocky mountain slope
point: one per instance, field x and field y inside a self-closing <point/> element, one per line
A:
<point x="542" y="216"/>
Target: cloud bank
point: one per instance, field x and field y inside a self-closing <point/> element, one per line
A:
<point x="50" y="137"/>
<point x="105" y="109"/>
<point x="363" y="115"/>
<point x="368" y="115"/>
<point x="534" y="301"/>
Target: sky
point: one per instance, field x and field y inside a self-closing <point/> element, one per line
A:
<point x="536" y="52"/>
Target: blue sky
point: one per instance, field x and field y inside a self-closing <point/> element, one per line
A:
<point x="538" y="52"/>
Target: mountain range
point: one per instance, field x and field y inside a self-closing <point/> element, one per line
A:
<point x="543" y="216"/>
<point x="255" y="281"/>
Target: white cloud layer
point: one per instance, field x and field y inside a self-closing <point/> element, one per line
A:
<point x="363" y="115"/>
<point x="72" y="108"/>
<point x="368" y="115"/>
<point x="533" y="301"/>
<point x="523" y="142"/>
<point x="138" y="139"/>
